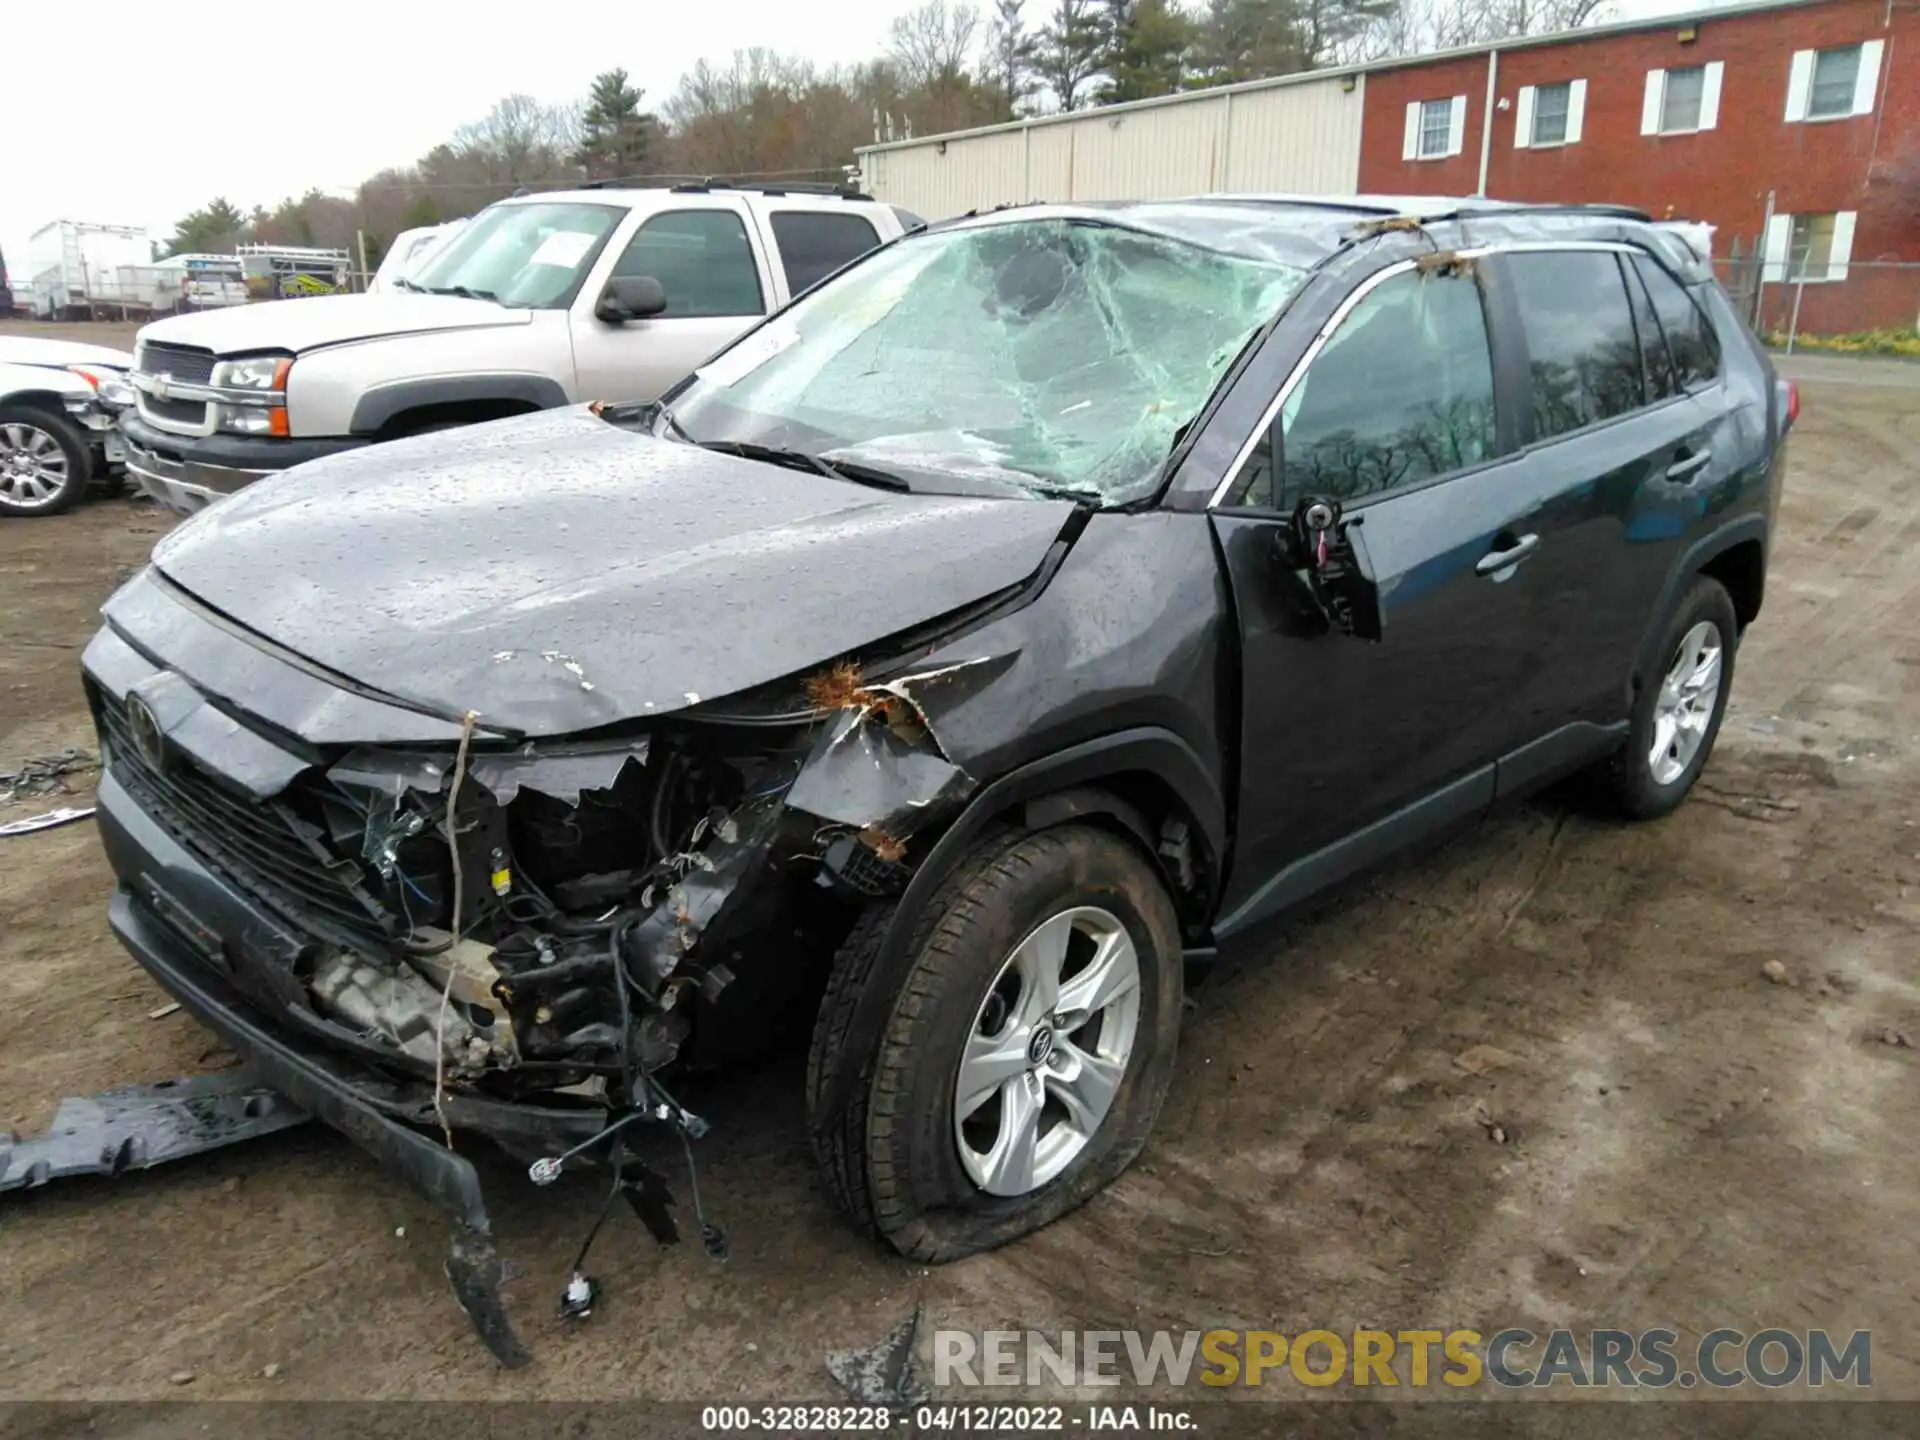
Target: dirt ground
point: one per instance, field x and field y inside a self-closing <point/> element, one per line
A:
<point x="1673" y="1139"/>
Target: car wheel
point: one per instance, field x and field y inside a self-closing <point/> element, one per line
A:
<point x="1029" y="1047"/>
<point x="44" y="464"/>
<point x="1677" y="715"/>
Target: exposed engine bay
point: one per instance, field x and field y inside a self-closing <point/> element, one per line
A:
<point x="617" y="902"/>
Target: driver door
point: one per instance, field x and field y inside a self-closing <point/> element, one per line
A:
<point x="1352" y="747"/>
<point x="716" y="282"/>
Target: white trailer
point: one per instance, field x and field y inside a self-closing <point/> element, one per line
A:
<point x="76" y="267"/>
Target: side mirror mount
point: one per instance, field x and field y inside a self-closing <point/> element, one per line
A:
<point x="630" y="297"/>
<point x="1327" y="571"/>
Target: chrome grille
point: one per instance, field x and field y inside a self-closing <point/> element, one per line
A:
<point x="187" y="364"/>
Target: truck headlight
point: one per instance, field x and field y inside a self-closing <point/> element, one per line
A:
<point x="260" y="372"/>
<point x="252" y="419"/>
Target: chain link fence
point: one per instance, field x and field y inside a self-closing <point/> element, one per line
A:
<point x="1868" y="306"/>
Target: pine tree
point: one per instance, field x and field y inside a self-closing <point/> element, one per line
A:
<point x="616" y="136"/>
<point x="1150" y="45"/>
<point x="1010" y="55"/>
<point x="1072" y="44"/>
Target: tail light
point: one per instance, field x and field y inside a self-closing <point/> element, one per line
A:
<point x="1789" y="404"/>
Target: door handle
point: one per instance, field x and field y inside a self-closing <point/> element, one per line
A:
<point x="1498" y="562"/>
<point x="1683" y="469"/>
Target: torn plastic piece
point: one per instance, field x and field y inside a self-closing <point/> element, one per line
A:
<point x="861" y="774"/>
<point x="476" y="1271"/>
<point x="886" y="1373"/>
<point x="864" y="873"/>
<point x="44" y="774"/>
<point x="138" y="1126"/>
<point x="651" y="1201"/>
<point x="562" y="774"/>
<point x="64" y="816"/>
<point x="390" y="772"/>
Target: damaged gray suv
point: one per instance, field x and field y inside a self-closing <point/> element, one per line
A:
<point x="1045" y="600"/>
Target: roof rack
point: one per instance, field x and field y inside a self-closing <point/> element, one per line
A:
<point x="695" y="184"/>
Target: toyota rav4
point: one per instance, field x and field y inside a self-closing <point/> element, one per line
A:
<point x="1045" y="601"/>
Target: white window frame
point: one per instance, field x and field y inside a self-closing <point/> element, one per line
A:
<point x="1777" y="245"/>
<point x="1410" y="145"/>
<point x="1866" y="83"/>
<point x="1526" y="107"/>
<point x="1653" y="103"/>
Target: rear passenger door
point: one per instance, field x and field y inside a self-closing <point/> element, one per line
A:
<point x="717" y="283"/>
<point x="811" y="242"/>
<point x="1621" y="456"/>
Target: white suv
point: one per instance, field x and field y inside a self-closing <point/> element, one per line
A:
<point x="540" y="301"/>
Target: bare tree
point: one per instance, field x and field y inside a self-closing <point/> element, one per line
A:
<point x="1415" y="27"/>
<point x="932" y="44"/>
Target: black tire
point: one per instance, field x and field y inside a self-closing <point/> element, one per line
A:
<point x="73" y="446"/>
<point x="839" y="1135"/>
<point x="1627" y="783"/>
<point x="922" y="1198"/>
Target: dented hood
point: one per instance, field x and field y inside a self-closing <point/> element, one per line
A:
<point x="556" y="573"/>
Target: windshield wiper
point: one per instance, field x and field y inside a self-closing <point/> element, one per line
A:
<point x="804" y="460"/>
<point x="1084" y="494"/>
<point x="405" y="284"/>
<point x="465" y="292"/>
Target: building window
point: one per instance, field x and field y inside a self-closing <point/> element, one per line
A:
<point x="1833" y="84"/>
<point x="1435" y="128"/>
<point x="1810" y="247"/>
<point x="1680" y="102"/>
<point x="1680" y="107"/>
<point x="1550" y="114"/>
<point x="1835" y="73"/>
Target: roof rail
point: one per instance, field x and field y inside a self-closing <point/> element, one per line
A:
<point x="695" y="184"/>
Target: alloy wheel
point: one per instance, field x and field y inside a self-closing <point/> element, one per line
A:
<point x="33" y="467"/>
<point x="1683" y="710"/>
<point x="1047" y="1052"/>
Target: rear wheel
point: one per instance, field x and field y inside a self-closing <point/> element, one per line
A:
<point x="1029" y="1049"/>
<point x="1677" y="715"/>
<point x="44" y="462"/>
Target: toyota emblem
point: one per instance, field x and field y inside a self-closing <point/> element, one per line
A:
<point x="147" y="736"/>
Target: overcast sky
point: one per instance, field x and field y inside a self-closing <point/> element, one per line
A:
<point x="256" y="103"/>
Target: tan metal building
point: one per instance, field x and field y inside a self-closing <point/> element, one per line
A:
<point x="1297" y="134"/>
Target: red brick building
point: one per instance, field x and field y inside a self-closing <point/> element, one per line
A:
<point x="1700" y="117"/>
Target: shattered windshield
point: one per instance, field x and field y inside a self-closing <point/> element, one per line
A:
<point x="529" y="255"/>
<point x="1040" y="356"/>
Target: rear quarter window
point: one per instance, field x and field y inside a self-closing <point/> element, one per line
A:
<point x="1690" y="338"/>
<point x="813" y="244"/>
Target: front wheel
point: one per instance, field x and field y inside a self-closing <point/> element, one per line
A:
<point x="1677" y="715"/>
<point x="44" y="461"/>
<point x="1030" y="1046"/>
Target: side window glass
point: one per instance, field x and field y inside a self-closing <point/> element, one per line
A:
<point x="1581" y="345"/>
<point x="1696" y="355"/>
<point x="813" y="244"/>
<point x="1655" y="362"/>
<point x="701" y="258"/>
<point x="1403" y="391"/>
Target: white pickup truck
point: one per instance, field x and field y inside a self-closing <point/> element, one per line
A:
<point x="539" y="301"/>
